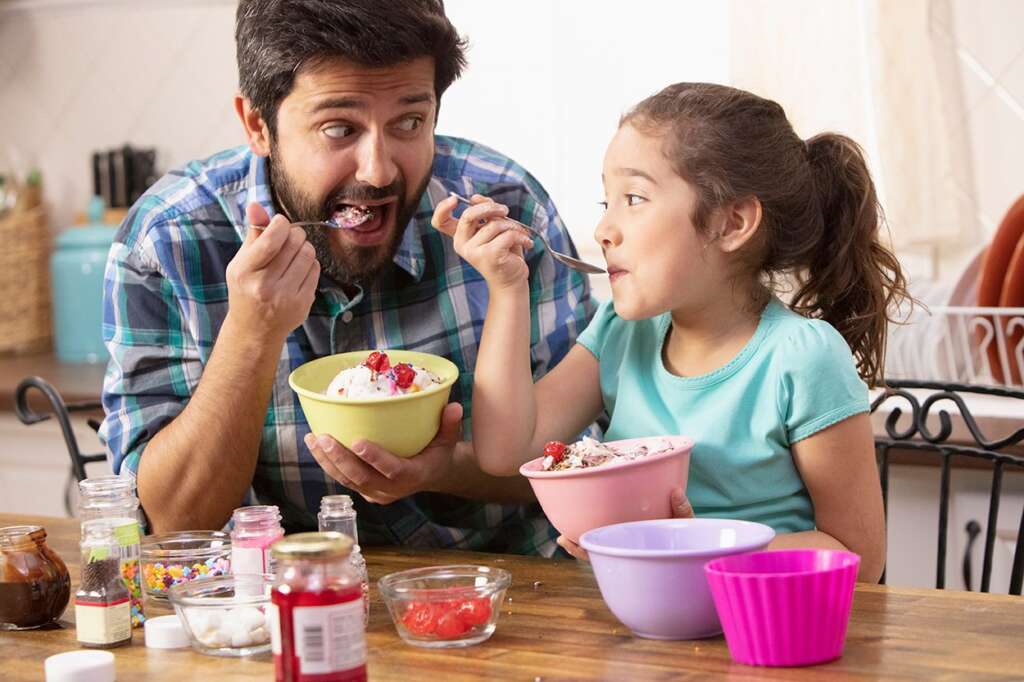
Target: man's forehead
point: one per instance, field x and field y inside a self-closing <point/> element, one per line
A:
<point x="352" y="84"/>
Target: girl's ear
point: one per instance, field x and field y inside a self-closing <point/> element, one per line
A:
<point x="256" y="131"/>
<point x="740" y="221"/>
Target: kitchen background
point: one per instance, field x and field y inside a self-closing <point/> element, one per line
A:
<point x="934" y="90"/>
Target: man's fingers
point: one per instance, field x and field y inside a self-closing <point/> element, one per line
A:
<point x="290" y="252"/>
<point x="389" y="465"/>
<point x="345" y="467"/>
<point x="262" y="251"/>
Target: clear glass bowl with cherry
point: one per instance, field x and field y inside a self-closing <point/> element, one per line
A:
<point x="445" y="606"/>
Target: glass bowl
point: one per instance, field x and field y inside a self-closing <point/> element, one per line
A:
<point x="174" y="558"/>
<point x="445" y="606"/>
<point x="226" y="615"/>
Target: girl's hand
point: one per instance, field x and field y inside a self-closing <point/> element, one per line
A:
<point x="486" y="240"/>
<point x="681" y="509"/>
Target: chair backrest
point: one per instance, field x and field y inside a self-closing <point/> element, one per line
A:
<point x="915" y="434"/>
<point x="61" y="411"/>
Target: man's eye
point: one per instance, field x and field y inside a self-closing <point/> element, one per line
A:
<point x="634" y="199"/>
<point x="337" y="132"/>
<point x="410" y="124"/>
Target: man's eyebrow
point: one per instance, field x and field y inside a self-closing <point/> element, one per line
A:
<point x="359" y="103"/>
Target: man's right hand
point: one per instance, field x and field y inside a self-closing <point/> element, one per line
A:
<point x="272" y="279"/>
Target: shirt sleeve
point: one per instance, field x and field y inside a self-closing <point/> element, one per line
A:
<point x="594" y="336"/>
<point x="820" y="385"/>
<point x="560" y="301"/>
<point x="154" y="363"/>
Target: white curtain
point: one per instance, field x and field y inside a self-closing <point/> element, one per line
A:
<point x="885" y="73"/>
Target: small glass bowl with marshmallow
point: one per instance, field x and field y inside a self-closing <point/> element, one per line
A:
<point x="227" y="615"/>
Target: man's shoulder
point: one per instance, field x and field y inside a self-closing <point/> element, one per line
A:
<point x="458" y="160"/>
<point x="198" y="196"/>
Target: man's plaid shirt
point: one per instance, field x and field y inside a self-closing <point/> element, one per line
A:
<point x="165" y="298"/>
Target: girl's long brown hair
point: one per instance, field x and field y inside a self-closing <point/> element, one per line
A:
<point x="820" y="214"/>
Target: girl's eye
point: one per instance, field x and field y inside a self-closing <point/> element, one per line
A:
<point x="410" y="124"/>
<point x="633" y="199"/>
<point x="337" y="132"/>
<point x="603" y="204"/>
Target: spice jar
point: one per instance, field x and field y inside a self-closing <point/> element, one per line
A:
<point x="110" y="499"/>
<point x="255" y="529"/>
<point x="34" y="581"/>
<point x="337" y="514"/>
<point x="102" y="602"/>
<point x="316" y="613"/>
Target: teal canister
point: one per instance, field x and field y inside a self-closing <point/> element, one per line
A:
<point x="76" y="276"/>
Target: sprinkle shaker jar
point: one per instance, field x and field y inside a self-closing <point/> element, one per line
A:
<point x="316" y="614"/>
<point x="34" y="581"/>
<point x="337" y="514"/>
<point x="110" y="499"/>
<point x="102" y="602"/>
<point x="255" y="529"/>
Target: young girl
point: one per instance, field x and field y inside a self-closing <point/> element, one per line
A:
<point x="711" y="199"/>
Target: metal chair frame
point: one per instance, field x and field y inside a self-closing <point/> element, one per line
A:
<point x="918" y="436"/>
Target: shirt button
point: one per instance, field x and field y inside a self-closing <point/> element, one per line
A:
<point x="346" y="316"/>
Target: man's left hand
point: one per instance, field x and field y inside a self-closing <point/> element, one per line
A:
<point x="382" y="477"/>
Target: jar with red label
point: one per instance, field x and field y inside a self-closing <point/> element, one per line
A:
<point x="317" y="629"/>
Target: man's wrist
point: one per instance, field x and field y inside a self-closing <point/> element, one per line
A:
<point x="254" y="340"/>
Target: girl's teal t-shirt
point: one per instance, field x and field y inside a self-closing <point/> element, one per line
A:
<point x="795" y="377"/>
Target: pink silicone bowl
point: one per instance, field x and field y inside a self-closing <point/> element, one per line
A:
<point x="784" y="608"/>
<point x="577" y="500"/>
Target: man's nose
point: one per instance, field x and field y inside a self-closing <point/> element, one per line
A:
<point x="375" y="165"/>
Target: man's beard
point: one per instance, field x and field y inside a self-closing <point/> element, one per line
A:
<point x="350" y="263"/>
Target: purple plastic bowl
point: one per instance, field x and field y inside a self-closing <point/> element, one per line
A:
<point x="651" y="573"/>
<point x="784" y="608"/>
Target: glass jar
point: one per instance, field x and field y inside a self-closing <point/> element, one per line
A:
<point x="102" y="602"/>
<point x="338" y="515"/>
<point x="316" y="614"/>
<point x="255" y="529"/>
<point x="34" y="583"/>
<point x="111" y="501"/>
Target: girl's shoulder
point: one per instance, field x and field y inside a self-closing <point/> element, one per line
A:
<point x="607" y="330"/>
<point x="795" y="335"/>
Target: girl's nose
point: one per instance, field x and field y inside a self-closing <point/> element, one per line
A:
<point x="605" y="234"/>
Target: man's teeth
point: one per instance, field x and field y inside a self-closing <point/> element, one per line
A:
<point x="353" y="216"/>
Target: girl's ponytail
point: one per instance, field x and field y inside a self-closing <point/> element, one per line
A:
<point x="851" y="280"/>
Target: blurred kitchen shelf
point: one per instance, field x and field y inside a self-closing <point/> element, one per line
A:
<point x="75" y="382"/>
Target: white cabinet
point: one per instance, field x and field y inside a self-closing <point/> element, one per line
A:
<point x="914" y="521"/>
<point x="35" y="468"/>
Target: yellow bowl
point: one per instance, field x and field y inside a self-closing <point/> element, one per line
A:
<point x="401" y="424"/>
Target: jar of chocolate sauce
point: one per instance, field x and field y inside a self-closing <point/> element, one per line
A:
<point x="34" y="581"/>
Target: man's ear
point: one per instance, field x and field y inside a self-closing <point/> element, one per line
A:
<point x="256" y="131"/>
<point x="740" y="221"/>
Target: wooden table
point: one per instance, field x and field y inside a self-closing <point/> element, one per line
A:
<point x="554" y="625"/>
<point x="75" y="382"/>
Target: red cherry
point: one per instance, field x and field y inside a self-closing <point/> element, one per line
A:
<point x="475" y="611"/>
<point x="450" y="626"/>
<point x="555" y="449"/>
<point x="421" y="618"/>
<point x="378" y="361"/>
<point x="404" y="375"/>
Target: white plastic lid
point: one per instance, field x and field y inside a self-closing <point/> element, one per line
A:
<point x="80" y="666"/>
<point x="165" y="632"/>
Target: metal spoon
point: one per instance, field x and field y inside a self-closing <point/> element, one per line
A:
<point x="574" y="263"/>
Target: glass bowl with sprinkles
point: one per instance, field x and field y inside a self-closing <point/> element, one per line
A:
<point x="174" y="558"/>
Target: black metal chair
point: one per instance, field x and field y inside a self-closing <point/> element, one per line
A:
<point x="62" y="412"/>
<point x="917" y="435"/>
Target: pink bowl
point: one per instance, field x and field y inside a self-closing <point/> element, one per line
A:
<point x="576" y="500"/>
<point x="784" y="608"/>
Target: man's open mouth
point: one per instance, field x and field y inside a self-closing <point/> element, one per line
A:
<point x="360" y="217"/>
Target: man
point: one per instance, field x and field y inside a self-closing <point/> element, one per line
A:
<point x="212" y="297"/>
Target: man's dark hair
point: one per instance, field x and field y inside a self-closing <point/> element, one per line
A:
<point x="276" y="38"/>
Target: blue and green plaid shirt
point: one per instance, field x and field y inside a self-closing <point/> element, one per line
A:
<point x="165" y="298"/>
